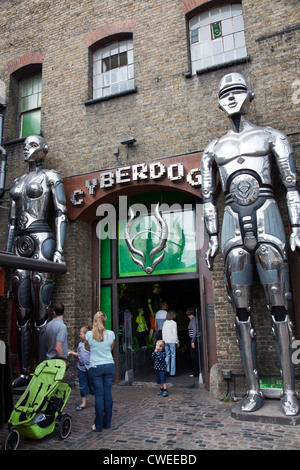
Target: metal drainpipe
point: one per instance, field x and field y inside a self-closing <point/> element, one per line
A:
<point x="3" y="160"/>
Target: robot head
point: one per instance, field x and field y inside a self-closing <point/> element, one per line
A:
<point x="234" y="95"/>
<point x="35" y="148"/>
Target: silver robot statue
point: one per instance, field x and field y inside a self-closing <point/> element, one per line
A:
<point x="29" y="235"/>
<point x="252" y="230"/>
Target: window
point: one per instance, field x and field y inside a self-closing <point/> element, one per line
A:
<point x="217" y="37"/>
<point x="113" y="70"/>
<point x="30" y="105"/>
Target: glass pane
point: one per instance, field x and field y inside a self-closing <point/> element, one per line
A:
<point x="37" y="83"/>
<point x="97" y="67"/>
<point x="205" y="49"/>
<point x="225" y="12"/>
<point x="195" y="52"/>
<point x="217" y="46"/>
<point x="123" y="74"/>
<point x="105" y="64"/>
<point x="114" y="77"/>
<point x="26" y="87"/>
<point x="105" y="304"/>
<point x="114" y="88"/>
<point x="228" y="43"/>
<point x="239" y="39"/>
<point x="236" y="9"/>
<point x="106" y="79"/>
<point x="114" y="61"/>
<point x="130" y="71"/>
<point x="205" y="33"/>
<point x="238" y="23"/>
<point x="194" y="36"/>
<point x="123" y="59"/>
<point x="123" y="86"/>
<point x="204" y="18"/>
<point x="105" y="258"/>
<point x="130" y="57"/>
<point x="241" y="52"/>
<point x="114" y="48"/>
<point x="31" y="123"/>
<point x="227" y="26"/>
<point x="214" y="15"/>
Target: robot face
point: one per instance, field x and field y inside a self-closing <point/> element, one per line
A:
<point x="35" y="148"/>
<point x="234" y="96"/>
<point x="234" y="102"/>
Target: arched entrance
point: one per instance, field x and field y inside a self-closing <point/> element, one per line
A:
<point x="122" y="287"/>
<point x="182" y="274"/>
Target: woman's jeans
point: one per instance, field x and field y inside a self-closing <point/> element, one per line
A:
<point x="102" y="377"/>
<point x="171" y="357"/>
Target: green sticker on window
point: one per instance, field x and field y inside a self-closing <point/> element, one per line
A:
<point x="216" y="30"/>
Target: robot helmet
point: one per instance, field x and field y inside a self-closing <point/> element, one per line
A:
<point x="233" y="82"/>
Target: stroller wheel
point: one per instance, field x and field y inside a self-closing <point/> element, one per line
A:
<point x="11" y="440"/>
<point x="64" y="427"/>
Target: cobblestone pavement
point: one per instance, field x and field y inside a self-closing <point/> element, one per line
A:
<point x="187" y="420"/>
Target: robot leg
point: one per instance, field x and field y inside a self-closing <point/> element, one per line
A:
<point x="42" y="284"/>
<point x="22" y="298"/>
<point x="282" y="332"/>
<point x="239" y="278"/>
<point x="273" y="273"/>
<point x="247" y="344"/>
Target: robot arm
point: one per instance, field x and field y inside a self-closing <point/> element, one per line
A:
<point x="208" y="171"/>
<point x="283" y="152"/>
<point x="12" y="228"/>
<point x="61" y="220"/>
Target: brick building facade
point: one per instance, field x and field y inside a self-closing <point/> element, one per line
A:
<point x="166" y="106"/>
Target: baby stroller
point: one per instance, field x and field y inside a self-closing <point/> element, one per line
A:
<point x="41" y="404"/>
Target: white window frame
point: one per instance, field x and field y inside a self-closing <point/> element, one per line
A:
<point x="113" y="72"/>
<point x="208" y="48"/>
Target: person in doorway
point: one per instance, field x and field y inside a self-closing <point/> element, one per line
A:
<point x="154" y="301"/>
<point x="192" y="329"/>
<point x="160" y="318"/>
<point x="170" y="337"/>
<point x="141" y="328"/>
<point x="56" y="334"/>
<point x="100" y="342"/>
<point x="83" y="367"/>
<point x="160" y="366"/>
<point x="182" y="324"/>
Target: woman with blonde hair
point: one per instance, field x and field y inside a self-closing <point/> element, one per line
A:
<point x="100" y="343"/>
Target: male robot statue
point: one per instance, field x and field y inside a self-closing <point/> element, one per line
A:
<point x="252" y="230"/>
<point x="29" y="235"/>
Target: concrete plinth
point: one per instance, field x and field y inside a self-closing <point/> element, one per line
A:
<point x="271" y="412"/>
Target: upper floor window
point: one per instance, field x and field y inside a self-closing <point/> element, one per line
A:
<point x="217" y="36"/>
<point x="113" y="69"/>
<point x="30" y="105"/>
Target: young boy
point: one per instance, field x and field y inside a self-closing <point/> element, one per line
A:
<point x="159" y="364"/>
<point x="83" y="367"/>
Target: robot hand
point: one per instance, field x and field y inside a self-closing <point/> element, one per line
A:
<point x="295" y="238"/>
<point x="58" y="257"/>
<point x="213" y="248"/>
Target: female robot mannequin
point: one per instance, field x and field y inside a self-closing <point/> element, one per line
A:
<point x="29" y="235"/>
<point x="252" y="231"/>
